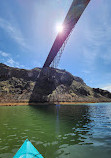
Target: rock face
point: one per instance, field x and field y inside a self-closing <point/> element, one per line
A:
<point x="48" y="85"/>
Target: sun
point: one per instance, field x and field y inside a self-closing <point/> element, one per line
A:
<point x="59" y="28"/>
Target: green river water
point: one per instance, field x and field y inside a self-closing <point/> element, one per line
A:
<point x="66" y="131"/>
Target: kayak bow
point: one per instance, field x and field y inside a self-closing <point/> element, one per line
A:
<point x="27" y="150"/>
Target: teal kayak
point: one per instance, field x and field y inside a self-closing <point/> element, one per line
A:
<point x="27" y="150"/>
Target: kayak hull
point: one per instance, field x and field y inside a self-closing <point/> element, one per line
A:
<point x="27" y="150"/>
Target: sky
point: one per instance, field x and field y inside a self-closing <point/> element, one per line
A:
<point x="27" y="33"/>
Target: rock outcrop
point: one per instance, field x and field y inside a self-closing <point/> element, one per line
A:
<point x="48" y="85"/>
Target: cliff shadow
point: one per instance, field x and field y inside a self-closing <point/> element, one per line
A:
<point x="44" y="86"/>
<point x="51" y="86"/>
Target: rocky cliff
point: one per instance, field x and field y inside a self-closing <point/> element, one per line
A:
<point x="48" y="85"/>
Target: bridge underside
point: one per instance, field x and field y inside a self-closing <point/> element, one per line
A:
<point x="72" y="17"/>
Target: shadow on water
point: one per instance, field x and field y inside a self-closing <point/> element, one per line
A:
<point x="71" y="122"/>
<point x="70" y="125"/>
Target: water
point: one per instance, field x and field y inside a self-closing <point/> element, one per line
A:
<point x="69" y="131"/>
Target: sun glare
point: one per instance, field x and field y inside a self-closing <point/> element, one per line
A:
<point x="59" y="28"/>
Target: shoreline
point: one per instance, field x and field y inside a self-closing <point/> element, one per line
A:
<point x="46" y="103"/>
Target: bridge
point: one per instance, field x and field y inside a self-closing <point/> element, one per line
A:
<point x="45" y="83"/>
<point x="72" y="17"/>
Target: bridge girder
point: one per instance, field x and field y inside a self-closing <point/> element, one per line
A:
<point x="72" y="17"/>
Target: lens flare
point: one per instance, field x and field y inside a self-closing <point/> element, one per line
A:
<point x="59" y="28"/>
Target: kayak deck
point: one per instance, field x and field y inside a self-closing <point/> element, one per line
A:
<point x="27" y="150"/>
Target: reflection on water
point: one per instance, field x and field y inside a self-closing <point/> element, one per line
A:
<point x="57" y="131"/>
